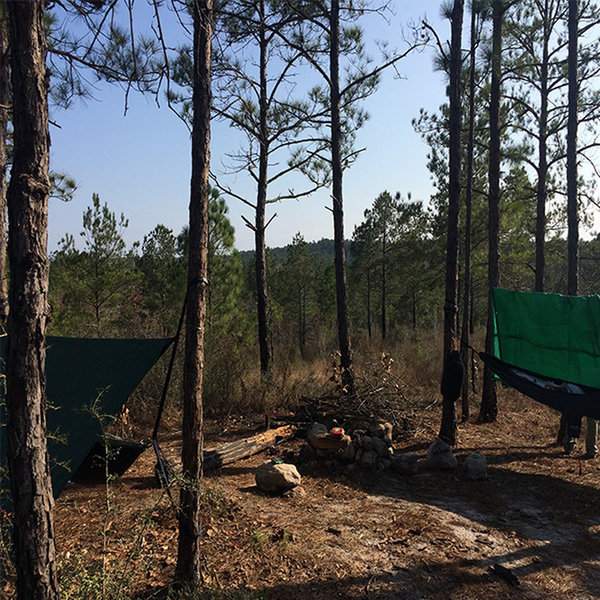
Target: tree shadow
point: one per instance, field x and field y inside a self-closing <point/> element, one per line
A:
<point x="558" y="520"/>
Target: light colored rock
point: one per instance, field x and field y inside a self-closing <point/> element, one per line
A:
<point x="388" y="433"/>
<point x="315" y="431"/>
<point x="405" y="463"/>
<point x="476" y="466"/>
<point x="296" y="492"/>
<point x="368" y="459"/>
<point x="277" y="477"/>
<point x="440" y="456"/>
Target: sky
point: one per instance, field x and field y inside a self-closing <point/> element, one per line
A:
<point x="139" y="162"/>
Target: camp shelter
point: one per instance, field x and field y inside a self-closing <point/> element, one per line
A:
<point x="547" y="347"/>
<point x="85" y="378"/>
<point x="550" y="334"/>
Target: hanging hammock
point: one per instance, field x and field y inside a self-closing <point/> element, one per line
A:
<point x="547" y="346"/>
<point x="564" y="396"/>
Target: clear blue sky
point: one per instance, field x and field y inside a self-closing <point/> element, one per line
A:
<point x="139" y="163"/>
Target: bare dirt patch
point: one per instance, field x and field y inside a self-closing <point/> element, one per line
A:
<point x="435" y="535"/>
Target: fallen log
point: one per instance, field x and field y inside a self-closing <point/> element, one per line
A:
<point x="215" y="458"/>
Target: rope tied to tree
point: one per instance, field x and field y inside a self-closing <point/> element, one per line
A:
<point x="162" y="463"/>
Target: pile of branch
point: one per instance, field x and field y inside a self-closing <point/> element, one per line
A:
<point x="352" y="411"/>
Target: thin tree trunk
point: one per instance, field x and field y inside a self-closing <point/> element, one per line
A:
<point x="338" y="204"/>
<point x="448" y="426"/>
<point x="33" y="535"/>
<point x="489" y="400"/>
<point x="383" y="282"/>
<point x="465" y="339"/>
<point x="572" y="217"/>
<point x="414" y="309"/>
<point x="188" y="554"/>
<point x="4" y="117"/>
<point x="540" y="225"/>
<point x="261" y="202"/>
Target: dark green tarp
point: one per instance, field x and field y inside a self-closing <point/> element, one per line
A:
<point x="82" y="373"/>
<point x="550" y="334"/>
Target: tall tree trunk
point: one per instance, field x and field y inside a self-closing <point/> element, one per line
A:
<point x="573" y="227"/>
<point x="338" y="202"/>
<point x="4" y="117"/>
<point x="261" y="203"/>
<point x="448" y="426"/>
<point x="188" y="554"/>
<point x="369" y="302"/>
<point x="489" y="400"/>
<point x="383" y="283"/>
<point x="572" y="216"/>
<point x="465" y="339"/>
<point x="542" y="171"/>
<point x="33" y="536"/>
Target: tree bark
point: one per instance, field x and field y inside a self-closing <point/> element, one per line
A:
<point x="448" y="426"/>
<point x="489" y="401"/>
<point x="572" y="217"/>
<point x="4" y="118"/>
<point x="383" y="279"/>
<point x="369" y="302"/>
<point x="338" y="203"/>
<point x="465" y="338"/>
<point x="540" y="224"/>
<point x="261" y="202"/>
<point x="188" y="555"/>
<point x="33" y="534"/>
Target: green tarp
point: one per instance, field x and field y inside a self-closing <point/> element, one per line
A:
<point x="81" y="373"/>
<point x="550" y="334"/>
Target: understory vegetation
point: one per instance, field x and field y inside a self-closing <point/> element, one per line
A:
<point x="104" y="289"/>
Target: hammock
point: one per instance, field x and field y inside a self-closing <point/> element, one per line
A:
<point x="547" y="346"/>
<point x="573" y="400"/>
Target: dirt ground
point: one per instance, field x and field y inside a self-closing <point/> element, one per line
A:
<point x="382" y="535"/>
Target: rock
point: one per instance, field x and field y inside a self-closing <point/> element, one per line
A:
<point x="405" y="463"/>
<point x="314" y="431"/>
<point x="376" y="429"/>
<point x="476" y="466"/>
<point x="388" y="433"/>
<point x="368" y="459"/>
<point x="296" y="492"/>
<point x="320" y="438"/>
<point x="384" y="463"/>
<point x="348" y="453"/>
<point x="358" y="455"/>
<point x="366" y="442"/>
<point x="380" y="447"/>
<point x="277" y="477"/>
<point x="306" y="454"/>
<point x="440" y="456"/>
